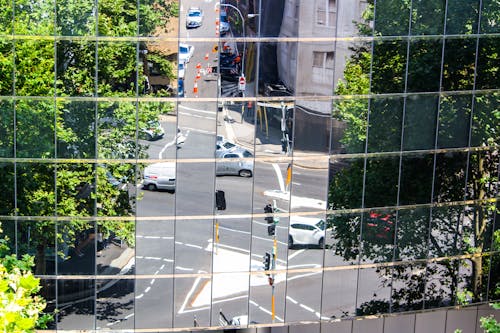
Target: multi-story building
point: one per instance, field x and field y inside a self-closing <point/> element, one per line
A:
<point x="362" y="198"/>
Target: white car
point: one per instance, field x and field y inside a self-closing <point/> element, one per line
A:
<point x="224" y="22"/>
<point x="159" y="176"/>
<point x="306" y="231"/>
<point x="194" y="18"/>
<point x="236" y="161"/>
<point x="185" y="52"/>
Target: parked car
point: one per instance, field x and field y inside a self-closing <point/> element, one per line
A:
<point x="306" y="231"/>
<point x="194" y="18"/>
<point x="224" y="22"/>
<point x="185" y="52"/>
<point x="182" y="69"/>
<point x="159" y="176"/>
<point x="152" y="131"/>
<point x="235" y="161"/>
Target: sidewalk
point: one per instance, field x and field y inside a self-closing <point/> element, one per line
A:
<point x="241" y="130"/>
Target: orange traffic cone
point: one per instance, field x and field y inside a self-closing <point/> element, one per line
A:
<point x="198" y="66"/>
<point x="195" y="88"/>
<point x="206" y="56"/>
<point x="198" y="76"/>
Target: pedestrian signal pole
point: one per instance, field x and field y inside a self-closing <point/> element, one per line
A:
<point x="220" y="204"/>
<point x="271" y="258"/>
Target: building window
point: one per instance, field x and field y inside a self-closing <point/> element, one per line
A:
<point x="323" y="60"/>
<point x="326" y="13"/>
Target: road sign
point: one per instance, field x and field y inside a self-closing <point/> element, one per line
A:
<point x="242" y="83"/>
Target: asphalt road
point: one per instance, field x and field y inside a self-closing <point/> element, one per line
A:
<point x="183" y="242"/>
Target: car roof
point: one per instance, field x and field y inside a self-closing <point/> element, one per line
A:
<point x="305" y="220"/>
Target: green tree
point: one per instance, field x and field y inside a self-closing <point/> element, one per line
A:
<point x="21" y="309"/>
<point x="376" y="124"/>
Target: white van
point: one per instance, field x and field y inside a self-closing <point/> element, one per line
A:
<point x="159" y="176"/>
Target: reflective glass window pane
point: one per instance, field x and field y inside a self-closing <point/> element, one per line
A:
<point x="408" y="286"/>
<point x="485" y="120"/>
<point x="449" y="179"/>
<point x="76" y="18"/>
<point x="346" y="183"/>
<point x="412" y="234"/>
<point x="385" y="122"/>
<point x="76" y="304"/>
<point x="76" y="245"/>
<point x="392" y="17"/>
<point x="154" y="309"/>
<point x="381" y="181"/>
<point x="442" y="281"/>
<point x="35" y="128"/>
<point x="428" y="17"/>
<point x="34" y="18"/>
<point x="373" y="291"/>
<point x="186" y="301"/>
<point x="445" y="223"/>
<point x="7" y="184"/>
<point x="7" y="69"/>
<point x="420" y="122"/>
<point x="35" y="184"/>
<point x="76" y="68"/>
<point x="34" y="68"/>
<point x="6" y="129"/>
<point x="389" y="66"/>
<point x="458" y="64"/>
<point x="339" y="294"/>
<point x="113" y="55"/>
<point x="75" y="129"/>
<point x="416" y="179"/>
<point x="489" y="13"/>
<point x="115" y="304"/>
<point x="486" y="73"/>
<point x="115" y="243"/>
<point x="351" y="116"/>
<point x="377" y="235"/>
<point x="424" y="65"/>
<point x="342" y="239"/>
<point x="462" y="16"/>
<point x="117" y="21"/>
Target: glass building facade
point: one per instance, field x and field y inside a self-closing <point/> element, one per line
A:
<point x="279" y="165"/>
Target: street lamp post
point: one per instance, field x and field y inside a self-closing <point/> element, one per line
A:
<point x="244" y="34"/>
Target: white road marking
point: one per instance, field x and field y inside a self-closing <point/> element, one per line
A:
<point x="147" y="289"/>
<point x="198" y="110"/>
<point x="168" y="144"/>
<point x="199" y="130"/>
<point x="307" y="308"/>
<point x="280" y="176"/>
<point x="129" y="315"/>
<point x="183" y="268"/>
<point x="195" y="246"/>
<point x="189" y="294"/>
<point x="234" y="230"/>
<point x="295" y="183"/>
<point x="292" y="300"/>
<point x="295" y="254"/>
<point x="139" y="296"/>
<point x="196" y="116"/>
<point x="152" y="281"/>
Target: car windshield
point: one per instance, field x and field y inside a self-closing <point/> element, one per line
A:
<point x="194" y="14"/>
<point x="228" y="145"/>
<point x="223" y="17"/>
<point x="246" y="153"/>
<point x="181" y="65"/>
<point x="321" y="225"/>
<point x="183" y="49"/>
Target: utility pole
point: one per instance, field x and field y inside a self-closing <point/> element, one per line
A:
<point x="271" y="258"/>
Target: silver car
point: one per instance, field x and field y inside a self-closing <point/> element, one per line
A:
<point x="159" y="176"/>
<point x="236" y="161"/>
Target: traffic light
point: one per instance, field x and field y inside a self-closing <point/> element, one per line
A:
<point x="220" y="200"/>
<point x="271" y="229"/>
<point x="284" y="145"/>
<point x="268" y="209"/>
<point x="267" y="261"/>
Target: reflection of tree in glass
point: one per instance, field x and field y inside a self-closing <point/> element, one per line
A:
<point x="428" y="232"/>
<point x="74" y="189"/>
